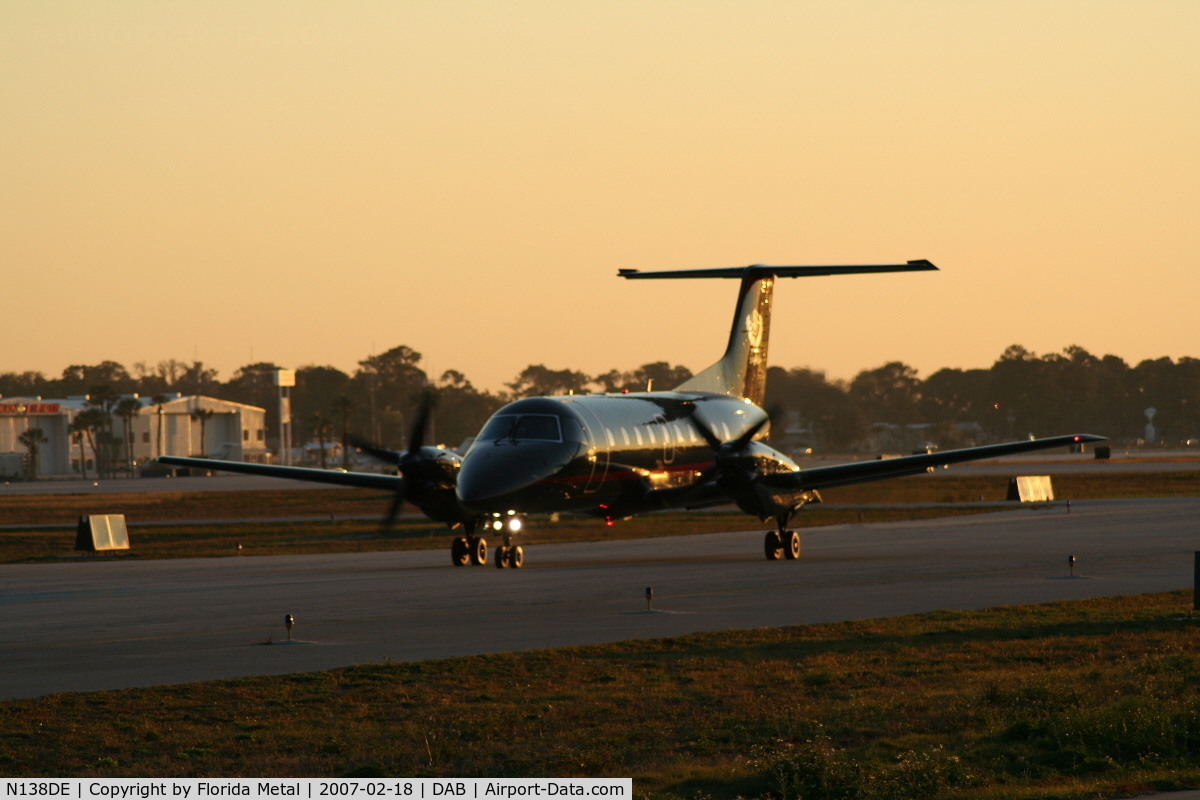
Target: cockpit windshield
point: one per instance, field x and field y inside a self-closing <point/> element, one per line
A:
<point x="524" y="427"/>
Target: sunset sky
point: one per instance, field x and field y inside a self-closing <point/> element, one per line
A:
<point x="309" y="182"/>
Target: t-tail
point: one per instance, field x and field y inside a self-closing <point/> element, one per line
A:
<point x="742" y="371"/>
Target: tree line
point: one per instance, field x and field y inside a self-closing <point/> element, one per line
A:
<point x="1022" y="393"/>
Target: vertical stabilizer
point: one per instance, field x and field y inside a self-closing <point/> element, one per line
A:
<point x="742" y="371"/>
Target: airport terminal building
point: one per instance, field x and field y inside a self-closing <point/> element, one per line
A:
<point x="234" y="432"/>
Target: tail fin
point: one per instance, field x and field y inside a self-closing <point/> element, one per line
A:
<point x="742" y="371"/>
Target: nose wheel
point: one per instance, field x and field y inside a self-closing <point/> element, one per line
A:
<point x="510" y="556"/>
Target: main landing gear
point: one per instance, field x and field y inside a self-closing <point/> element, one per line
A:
<point x="782" y="543"/>
<point x="471" y="549"/>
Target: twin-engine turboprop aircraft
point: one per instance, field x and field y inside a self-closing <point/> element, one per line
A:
<point x="616" y="455"/>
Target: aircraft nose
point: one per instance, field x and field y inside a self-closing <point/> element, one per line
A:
<point x="496" y="478"/>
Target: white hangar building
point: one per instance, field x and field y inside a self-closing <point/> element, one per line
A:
<point x="234" y="432"/>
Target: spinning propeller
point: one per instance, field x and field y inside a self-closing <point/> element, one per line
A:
<point x="727" y="453"/>
<point x="422" y="467"/>
<point x="734" y="477"/>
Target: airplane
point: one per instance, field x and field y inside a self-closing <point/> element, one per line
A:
<point x="615" y="455"/>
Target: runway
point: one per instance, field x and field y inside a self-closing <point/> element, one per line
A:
<point x="113" y="624"/>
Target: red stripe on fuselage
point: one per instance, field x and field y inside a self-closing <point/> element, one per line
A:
<point x="622" y="475"/>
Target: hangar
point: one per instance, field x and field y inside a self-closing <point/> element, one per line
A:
<point x="231" y="431"/>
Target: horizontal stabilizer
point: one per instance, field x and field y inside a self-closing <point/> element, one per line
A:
<point x="865" y="471"/>
<point x="920" y="265"/>
<point x="363" y="480"/>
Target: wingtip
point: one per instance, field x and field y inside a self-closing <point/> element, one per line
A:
<point x="923" y="263"/>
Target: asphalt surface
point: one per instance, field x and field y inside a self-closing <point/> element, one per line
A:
<point x="111" y="624"/>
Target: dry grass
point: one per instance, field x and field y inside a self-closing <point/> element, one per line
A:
<point x="349" y="536"/>
<point x="1092" y="698"/>
<point x="41" y="509"/>
<point x="935" y="488"/>
<point x="951" y="488"/>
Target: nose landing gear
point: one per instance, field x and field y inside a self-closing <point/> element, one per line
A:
<point x="472" y="549"/>
<point x="510" y="556"/>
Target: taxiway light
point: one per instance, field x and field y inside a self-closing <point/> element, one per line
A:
<point x="514" y="524"/>
<point x="1071" y="564"/>
<point x="288" y="622"/>
<point x="649" y="597"/>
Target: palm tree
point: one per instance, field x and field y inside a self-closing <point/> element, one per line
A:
<point x="343" y="408"/>
<point x="79" y="429"/>
<point x="159" y="400"/>
<point x="202" y="415"/>
<point x="33" y="438"/>
<point x="127" y="409"/>
<point x="104" y="399"/>
<point x="320" y="425"/>
<point x="90" y="423"/>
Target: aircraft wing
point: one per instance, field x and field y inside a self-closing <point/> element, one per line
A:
<point x="364" y="480"/>
<point x="865" y="471"/>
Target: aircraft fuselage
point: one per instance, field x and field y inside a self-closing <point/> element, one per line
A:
<point x="599" y="454"/>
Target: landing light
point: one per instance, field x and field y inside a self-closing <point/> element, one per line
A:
<point x="497" y="525"/>
<point x="514" y="524"/>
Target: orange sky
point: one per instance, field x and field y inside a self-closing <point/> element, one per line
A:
<point x="302" y="182"/>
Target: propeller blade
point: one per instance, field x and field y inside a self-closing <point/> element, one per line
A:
<point x="705" y="432"/>
<point x="417" y="438"/>
<point x="740" y="443"/>
<point x="393" y="511"/>
<point x="375" y="451"/>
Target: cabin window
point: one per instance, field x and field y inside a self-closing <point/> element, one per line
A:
<point x="728" y="435"/>
<point x="625" y="436"/>
<point x="638" y="433"/>
<point x="653" y="439"/>
<point x="679" y="434"/>
<point x="611" y="441"/>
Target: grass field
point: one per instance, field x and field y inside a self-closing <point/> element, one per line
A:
<point x="264" y="538"/>
<point x="935" y="488"/>
<point x="1093" y="698"/>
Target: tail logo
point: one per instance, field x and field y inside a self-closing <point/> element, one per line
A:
<point x="754" y="328"/>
